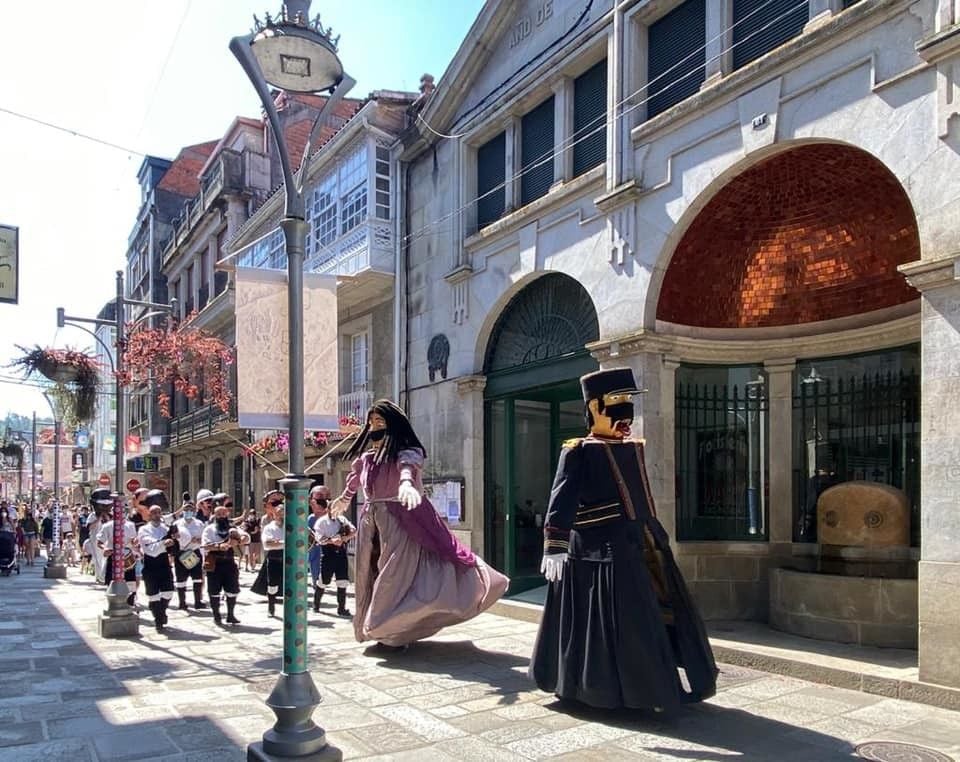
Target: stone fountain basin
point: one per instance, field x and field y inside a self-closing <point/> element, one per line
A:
<point x="868" y="611"/>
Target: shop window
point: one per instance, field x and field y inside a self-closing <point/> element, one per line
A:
<point x="759" y="26"/>
<point x="216" y="475"/>
<point x="856" y="418"/>
<point x="536" y="152"/>
<point x="491" y="175"/>
<point x="237" y="484"/>
<point x="590" y="119"/>
<point x="676" y="56"/>
<point x="721" y="453"/>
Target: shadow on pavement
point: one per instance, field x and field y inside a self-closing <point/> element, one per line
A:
<point x="59" y="700"/>
<point x="721" y="731"/>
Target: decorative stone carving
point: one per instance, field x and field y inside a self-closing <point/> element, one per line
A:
<point x="438" y="353"/>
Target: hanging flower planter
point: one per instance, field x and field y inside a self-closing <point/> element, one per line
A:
<point x="189" y="360"/>
<point x="14" y="451"/>
<point x="76" y="376"/>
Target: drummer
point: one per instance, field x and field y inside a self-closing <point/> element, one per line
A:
<point x="131" y="546"/>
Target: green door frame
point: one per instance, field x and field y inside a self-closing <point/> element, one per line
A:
<point x="509" y="390"/>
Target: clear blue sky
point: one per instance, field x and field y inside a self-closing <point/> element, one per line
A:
<point x="150" y="77"/>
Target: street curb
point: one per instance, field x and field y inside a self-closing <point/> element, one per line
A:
<point x="798" y="666"/>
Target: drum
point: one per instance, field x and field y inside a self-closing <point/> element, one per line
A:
<point x="189" y="559"/>
<point x="129" y="560"/>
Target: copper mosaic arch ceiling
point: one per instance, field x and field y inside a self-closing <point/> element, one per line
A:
<point x="810" y="234"/>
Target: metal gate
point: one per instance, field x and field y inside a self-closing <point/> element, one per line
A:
<point x="864" y="428"/>
<point x="721" y="451"/>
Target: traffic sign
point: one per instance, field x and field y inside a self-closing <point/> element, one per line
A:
<point x="133" y="485"/>
<point x="104" y="480"/>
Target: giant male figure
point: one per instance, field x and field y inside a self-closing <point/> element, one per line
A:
<point x="618" y="620"/>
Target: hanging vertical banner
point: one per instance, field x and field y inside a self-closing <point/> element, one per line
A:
<point x="9" y="263"/>
<point x="262" y="350"/>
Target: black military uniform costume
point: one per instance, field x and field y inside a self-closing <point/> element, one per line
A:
<point x="220" y="563"/>
<point x="619" y="621"/>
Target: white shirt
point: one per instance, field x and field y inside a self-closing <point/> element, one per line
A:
<point x="105" y="535"/>
<point x="327" y="527"/>
<point x="272" y="532"/>
<point x="211" y="535"/>
<point x="191" y="533"/>
<point x="151" y="539"/>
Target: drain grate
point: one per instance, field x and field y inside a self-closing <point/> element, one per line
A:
<point x="894" y="751"/>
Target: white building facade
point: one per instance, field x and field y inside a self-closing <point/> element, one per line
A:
<point x="753" y="204"/>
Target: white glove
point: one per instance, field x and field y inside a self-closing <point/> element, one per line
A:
<point x="552" y="565"/>
<point x="408" y="495"/>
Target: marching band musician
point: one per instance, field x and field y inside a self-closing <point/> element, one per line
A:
<point x="220" y="539"/>
<point x="319" y="499"/>
<point x="331" y="536"/>
<point x="270" y="578"/>
<point x="188" y="563"/>
<point x="155" y="540"/>
<point x="129" y="551"/>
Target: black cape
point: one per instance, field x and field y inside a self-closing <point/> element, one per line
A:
<point x="620" y="622"/>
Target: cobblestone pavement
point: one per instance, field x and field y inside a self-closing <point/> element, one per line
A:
<point x="197" y="693"/>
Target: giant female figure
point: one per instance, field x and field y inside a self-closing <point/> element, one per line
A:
<point x="413" y="577"/>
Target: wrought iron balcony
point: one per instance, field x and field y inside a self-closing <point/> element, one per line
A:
<point x="355" y="404"/>
<point x="198" y="426"/>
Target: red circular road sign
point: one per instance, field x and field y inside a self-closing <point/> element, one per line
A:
<point x="133" y="485"/>
<point x="104" y="480"/>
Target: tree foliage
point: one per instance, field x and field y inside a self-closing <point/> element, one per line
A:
<point x="188" y="360"/>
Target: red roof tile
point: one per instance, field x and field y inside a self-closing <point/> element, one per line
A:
<point x="183" y="176"/>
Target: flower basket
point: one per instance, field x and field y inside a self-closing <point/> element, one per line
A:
<point x="76" y="376"/>
<point x="12" y="450"/>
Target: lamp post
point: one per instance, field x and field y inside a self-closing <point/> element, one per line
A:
<point x="117" y="620"/>
<point x="294" y="54"/>
<point x="55" y="568"/>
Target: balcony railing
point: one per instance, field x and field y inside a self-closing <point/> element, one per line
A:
<point x="199" y="424"/>
<point x="356" y="404"/>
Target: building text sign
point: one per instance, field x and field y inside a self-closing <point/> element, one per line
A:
<point x="527" y="24"/>
<point x="9" y="263"/>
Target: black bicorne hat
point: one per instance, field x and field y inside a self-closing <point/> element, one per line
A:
<point x="613" y="381"/>
<point x="101" y="496"/>
<point x="156" y="497"/>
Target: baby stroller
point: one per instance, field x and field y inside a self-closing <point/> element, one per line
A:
<point x="8" y="554"/>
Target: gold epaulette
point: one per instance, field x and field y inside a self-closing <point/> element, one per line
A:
<point x="571" y="443"/>
<point x="590" y="440"/>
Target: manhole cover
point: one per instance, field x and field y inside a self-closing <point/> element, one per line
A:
<point x="894" y="751"/>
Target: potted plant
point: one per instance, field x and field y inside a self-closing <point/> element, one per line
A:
<point x="75" y="375"/>
<point x="187" y="359"/>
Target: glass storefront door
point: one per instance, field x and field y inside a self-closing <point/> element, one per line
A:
<point x="524" y="433"/>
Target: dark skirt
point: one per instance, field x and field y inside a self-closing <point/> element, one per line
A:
<point x="270" y="574"/>
<point x="608" y="640"/>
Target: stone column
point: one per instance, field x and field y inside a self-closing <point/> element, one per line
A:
<point x="470" y="389"/>
<point x="780" y="448"/>
<point x="939" y="569"/>
<point x="563" y="130"/>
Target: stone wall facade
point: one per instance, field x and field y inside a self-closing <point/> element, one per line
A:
<point x="852" y="84"/>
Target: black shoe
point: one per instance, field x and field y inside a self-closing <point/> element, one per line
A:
<point x="342" y="602"/>
<point x="182" y="599"/>
<point x="271" y="604"/>
<point x="231" y="618"/>
<point x="215" y="607"/>
<point x="317" y="595"/>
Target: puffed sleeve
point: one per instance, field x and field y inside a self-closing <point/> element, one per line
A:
<point x="564" y="500"/>
<point x="412" y="457"/>
<point x="353" y="478"/>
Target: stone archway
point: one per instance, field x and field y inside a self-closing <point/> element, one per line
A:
<point x="534" y="357"/>
<point x="812" y="233"/>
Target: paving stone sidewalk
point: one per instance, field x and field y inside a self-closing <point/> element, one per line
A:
<point x="197" y="693"/>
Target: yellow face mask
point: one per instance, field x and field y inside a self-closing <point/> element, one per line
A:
<point x="614" y="422"/>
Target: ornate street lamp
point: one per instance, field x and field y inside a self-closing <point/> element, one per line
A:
<point x="298" y="55"/>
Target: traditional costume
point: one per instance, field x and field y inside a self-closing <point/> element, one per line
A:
<point x="413" y="577"/>
<point x="618" y="620"/>
<point x="155" y="541"/>
<point x="220" y="562"/>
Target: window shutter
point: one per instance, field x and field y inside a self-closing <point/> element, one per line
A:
<point x="676" y="56"/>
<point x="762" y="25"/>
<point x="491" y="173"/>
<point x="536" y="152"/>
<point x="590" y="119"/>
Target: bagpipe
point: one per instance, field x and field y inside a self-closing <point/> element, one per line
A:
<point x="233" y="538"/>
